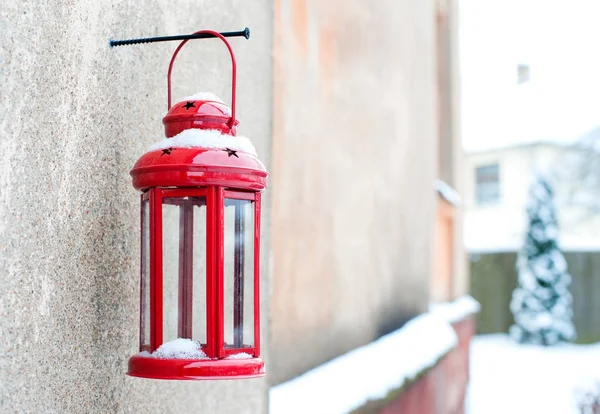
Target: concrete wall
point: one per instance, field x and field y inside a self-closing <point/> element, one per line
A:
<point x="74" y="117"/>
<point x="354" y="162"/>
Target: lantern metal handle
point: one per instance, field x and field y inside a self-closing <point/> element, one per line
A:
<point x="233" y="71"/>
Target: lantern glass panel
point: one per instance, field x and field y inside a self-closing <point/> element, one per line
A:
<point x="170" y="222"/>
<point x="238" y="275"/>
<point x="145" y="278"/>
<point x="199" y="329"/>
<point x="184" y="268"/>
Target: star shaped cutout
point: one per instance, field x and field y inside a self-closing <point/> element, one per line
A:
<point x="188" y="105"/>
<point x="166" y="151"/>
<point x="231" y="152"/>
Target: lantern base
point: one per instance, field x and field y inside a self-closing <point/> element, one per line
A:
<point x="192" y="369"/>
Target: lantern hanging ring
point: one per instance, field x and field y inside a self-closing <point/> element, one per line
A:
<point x="233" y="71"/>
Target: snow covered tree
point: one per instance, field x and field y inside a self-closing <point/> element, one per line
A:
<point x="541" y="303"/>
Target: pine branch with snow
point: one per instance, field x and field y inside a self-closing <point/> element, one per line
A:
<point x="541" y="304"/>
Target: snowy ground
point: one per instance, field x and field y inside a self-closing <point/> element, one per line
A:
<point x="519" y="379"/>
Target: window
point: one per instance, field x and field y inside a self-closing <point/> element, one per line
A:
<point x="487" y="184"/>
<point x="522" y="74"/>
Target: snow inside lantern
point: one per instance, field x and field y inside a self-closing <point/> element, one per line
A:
<point x="200" y="243"/>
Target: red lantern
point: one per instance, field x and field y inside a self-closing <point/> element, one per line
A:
<point x="200" y="244"/>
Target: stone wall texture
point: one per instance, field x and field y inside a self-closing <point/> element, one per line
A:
<point x="74" y="117"/>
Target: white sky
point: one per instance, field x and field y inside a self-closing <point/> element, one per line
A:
<point x="559" y="39"/>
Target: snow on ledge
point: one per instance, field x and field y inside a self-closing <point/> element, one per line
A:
<point x="179" y="348"/>
<point x="456" y="311"/>
<point x="367" y="373"/>
<point x="205" y="138"/>
<point x="448" y="193"/>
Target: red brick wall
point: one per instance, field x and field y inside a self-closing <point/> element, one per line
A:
<point x="442" y="390"/>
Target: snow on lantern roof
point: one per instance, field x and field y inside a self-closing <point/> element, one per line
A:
<point x="203" y="96"/>
<point x="205" y="138"/>
<point x="209" y="97"/>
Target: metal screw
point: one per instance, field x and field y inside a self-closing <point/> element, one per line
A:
<point x="242" y="33"/>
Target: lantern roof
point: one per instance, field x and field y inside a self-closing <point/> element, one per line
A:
<point x="201" y="148"/>
<point x="203" y="110"/>
<point x="205" y="138"/>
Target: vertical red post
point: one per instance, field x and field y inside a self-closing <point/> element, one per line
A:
<point x="219" y="225"/>
<point x="257" y="274"/>
<point x="156" y="269"/>
<point x="143" y="254"/>
<point x="211" y="283"/>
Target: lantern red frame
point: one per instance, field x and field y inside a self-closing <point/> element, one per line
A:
<point x="215" y="175"/>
